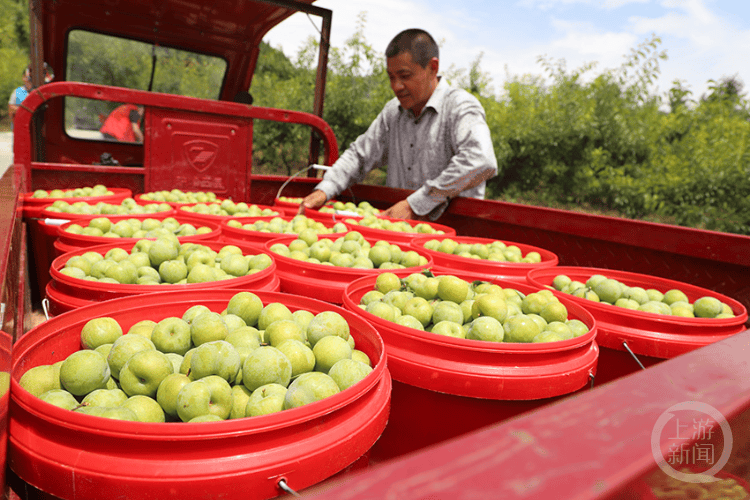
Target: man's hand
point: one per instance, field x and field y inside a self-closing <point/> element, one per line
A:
<point x="401" y="210"/>
<point x="313" y="201"/>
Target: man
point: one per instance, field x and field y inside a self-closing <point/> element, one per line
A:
<point x="433" y="138"/>
<point x="124" y="124"/>
<point x="18" y="95"/>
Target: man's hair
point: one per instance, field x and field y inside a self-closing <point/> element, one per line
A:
<point x="416" y="42"/>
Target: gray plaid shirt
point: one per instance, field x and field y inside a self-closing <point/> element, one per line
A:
<point x="437" y="154"/>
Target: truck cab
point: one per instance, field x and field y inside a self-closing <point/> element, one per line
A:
<point x="198" y="58"/>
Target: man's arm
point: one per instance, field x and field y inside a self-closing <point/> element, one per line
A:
<point x="135" y="125"/>
<point x="473" y="163"/>
<point x="137" y="132"/>
<point x="12" y="107"/>
<point x="365" y="153"/>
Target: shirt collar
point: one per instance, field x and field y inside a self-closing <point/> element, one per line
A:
<point x="434" y="102"/>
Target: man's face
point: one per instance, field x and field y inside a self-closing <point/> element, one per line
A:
<point x="27" y="80"/>
<point x="412" y="84"/>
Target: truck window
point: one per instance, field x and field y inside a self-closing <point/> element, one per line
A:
<point x="121" y="62"/>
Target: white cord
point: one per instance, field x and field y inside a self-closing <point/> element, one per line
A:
<point x="282" y="484"/>
<point x="314" y="165"/>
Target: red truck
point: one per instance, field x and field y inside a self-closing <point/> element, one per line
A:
<point x="597" y="442"/>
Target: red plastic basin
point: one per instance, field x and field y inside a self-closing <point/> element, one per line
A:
<point x="61" y="302"/>
<point x="140" y="199"/>
<point x="220" y="218"/>
<point x="65" y="216"/>
<point x="255" y="239"/>
<point x="285" y="204"/>
<point x="338" y="216"/>
<point x="73" y="290"/>
<point x="322" y="281"/>
<point x="477" y="369"/>
<point x="398" y="236"/>
<point x="515" y="271"/>
<point x="655" y="335"/>
<point x="43" y="232"/>
<point x="32" y="207"/>
<point x="67" y="242"/>
<point x="75" y="456"/>
<point x="292" y="207"/>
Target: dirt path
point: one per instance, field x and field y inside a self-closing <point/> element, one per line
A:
<point x="6" y="151"/>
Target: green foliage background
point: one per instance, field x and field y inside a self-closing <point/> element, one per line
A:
<point x="582" y="139"/>
<point x="576" y="139"/>
<point x="14" y="47"/>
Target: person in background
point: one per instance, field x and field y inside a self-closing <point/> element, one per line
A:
<point x="434" y="138"/>
<point x="18" y="95"/>
<point x="124" y="124"/>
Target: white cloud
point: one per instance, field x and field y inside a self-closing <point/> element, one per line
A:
<point x="551" y="4"/>
<point x="701" y="44"/>
<point x="616" y="4"/>
<point x="585" y="40"/>
<point x="690" y="20"/>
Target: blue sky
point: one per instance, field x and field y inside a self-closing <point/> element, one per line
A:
<point x="703" y="39"/>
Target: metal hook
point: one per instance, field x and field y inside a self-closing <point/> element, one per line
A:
<point x="282" y="484"/>
<point x="45" y="308"/>
<point x="627" y="348"/>
<point x="592" y="377"/>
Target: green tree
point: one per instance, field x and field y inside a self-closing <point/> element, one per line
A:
<point x="280" y="148"/>
<point x="475" y="80"/>
<point x="356" y="90"/>
<point x="14" y="46"/>
<point x="571" y="139"/>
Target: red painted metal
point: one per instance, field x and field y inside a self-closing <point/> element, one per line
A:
<point x="191" y="152"/>
<point x="593" y="444"/>
<point x="198" y="111"/>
